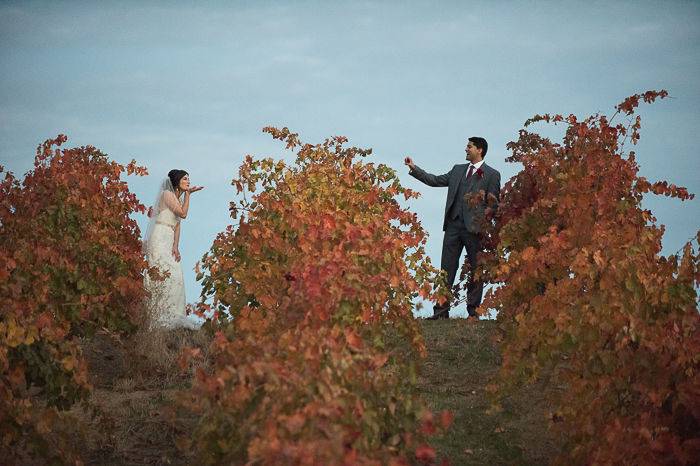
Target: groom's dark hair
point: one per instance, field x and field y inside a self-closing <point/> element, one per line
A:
<point x="480" y="143"/>
<point x="175" y="177"/>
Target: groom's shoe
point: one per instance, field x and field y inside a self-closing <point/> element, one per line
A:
<point x="440" y="314"/>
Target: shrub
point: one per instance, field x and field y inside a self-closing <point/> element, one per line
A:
<point x="70" y="262"/>
<point x="315" y="357"/>
<point x="587" y="299"/>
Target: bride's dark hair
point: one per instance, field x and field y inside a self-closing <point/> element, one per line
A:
<point x="175" y="177"/>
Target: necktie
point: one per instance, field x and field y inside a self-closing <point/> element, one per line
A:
<point x="471" y="170"/>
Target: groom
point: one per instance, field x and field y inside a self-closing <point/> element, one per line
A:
<point x="471" y="189"/>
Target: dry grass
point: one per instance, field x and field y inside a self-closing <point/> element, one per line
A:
<point x="133" y="416"/>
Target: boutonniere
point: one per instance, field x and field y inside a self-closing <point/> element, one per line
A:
<point x="479" y="172"/>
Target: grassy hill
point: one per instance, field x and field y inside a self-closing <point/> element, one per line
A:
<point x="461" y="361"/>
<point x="132" y="420"/>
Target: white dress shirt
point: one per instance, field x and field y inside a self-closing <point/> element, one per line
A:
<point x="476" y="165"/>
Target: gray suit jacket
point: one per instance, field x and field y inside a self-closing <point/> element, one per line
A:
<point x="490" y="183"/>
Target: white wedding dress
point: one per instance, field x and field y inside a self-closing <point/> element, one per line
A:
<point x="166" y="302"/>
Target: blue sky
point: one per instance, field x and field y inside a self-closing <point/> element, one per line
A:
<point x="190" y="85"/>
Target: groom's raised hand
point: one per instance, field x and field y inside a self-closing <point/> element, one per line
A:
<point x="409" y="162"/>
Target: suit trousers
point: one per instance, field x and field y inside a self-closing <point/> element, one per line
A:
<point x="457" y="238"/>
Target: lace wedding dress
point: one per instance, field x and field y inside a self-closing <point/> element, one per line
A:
<point x="166" y="302"/>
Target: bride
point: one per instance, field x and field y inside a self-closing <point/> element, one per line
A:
<point x="166" y="302"/>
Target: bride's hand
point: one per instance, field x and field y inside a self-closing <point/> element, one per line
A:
<point x="194" y="189"/>
<point x="176" y="254"/>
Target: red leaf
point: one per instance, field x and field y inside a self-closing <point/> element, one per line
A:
<point x="425" y="454"/>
